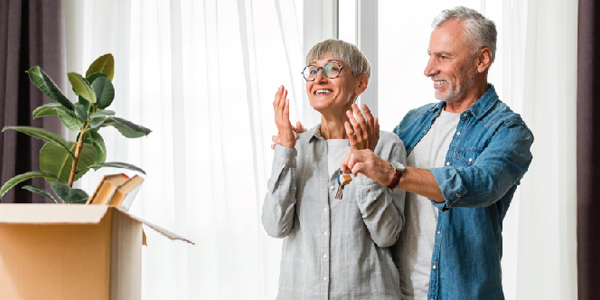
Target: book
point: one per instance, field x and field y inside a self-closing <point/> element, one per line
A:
<point x="105" y="190"/>
<point x="126" y="192"/>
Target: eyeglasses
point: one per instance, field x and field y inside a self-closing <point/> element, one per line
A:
<point x="331" y="70"/>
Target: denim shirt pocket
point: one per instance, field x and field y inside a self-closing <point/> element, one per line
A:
<point x="465" y="157"/>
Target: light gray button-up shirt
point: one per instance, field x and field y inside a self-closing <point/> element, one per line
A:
<point x="333" y="249"/>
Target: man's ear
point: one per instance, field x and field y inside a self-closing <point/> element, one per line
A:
<point x="363" y="82"/>
<point x="484" y="59"/>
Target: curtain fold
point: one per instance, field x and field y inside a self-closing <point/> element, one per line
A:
<point x="31" y="33"/>
<point x="202" y="76"/>
<point x="588" y="147"/>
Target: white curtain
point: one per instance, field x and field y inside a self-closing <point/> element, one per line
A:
<point x="202" y="76"/>
<point x="540" y="75"/>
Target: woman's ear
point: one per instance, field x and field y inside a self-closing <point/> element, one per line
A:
<point x="363" y="82"/>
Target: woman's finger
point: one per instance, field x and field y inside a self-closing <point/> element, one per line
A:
<point x="358" y="132"/>
<point x="351" y="135"/>
<point x="370" y="126"/>
<point x="361" y="120"/>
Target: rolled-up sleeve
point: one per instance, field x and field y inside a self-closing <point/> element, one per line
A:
<point x="498" y="168"/>
<point x="382" y="211"/>
<point x="278" y="207"/>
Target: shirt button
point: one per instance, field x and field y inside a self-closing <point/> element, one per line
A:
<point x="439" y="232"/>
<point x="324" y="279"/>
<point x="458" y="195"/>
<point x="470" y="160"/>
<point x="332" y="187"/>
<point x="447" y="163"/>
<point x="458" y="133"/>
<point x="325" y="209"/>
<point x="325" y="233"/>
<point x="434" y="267"/>
<point x="324" y="255"/>
<point x="464" y="115"/>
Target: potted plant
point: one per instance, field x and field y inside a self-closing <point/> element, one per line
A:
<point x="63" y="162"/>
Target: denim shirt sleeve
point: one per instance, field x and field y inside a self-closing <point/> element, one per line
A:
<point x="499" y="167"/>
<point x="280" y="201"/>
<point x="382" y="211"/>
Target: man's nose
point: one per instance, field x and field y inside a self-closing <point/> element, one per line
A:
<point x="431" y="68"/>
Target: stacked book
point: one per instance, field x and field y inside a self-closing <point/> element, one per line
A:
<point x="117" y="190"/>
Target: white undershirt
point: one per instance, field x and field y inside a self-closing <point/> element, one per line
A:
<point x="336" y="149"/>
<point x="418" y="235"/>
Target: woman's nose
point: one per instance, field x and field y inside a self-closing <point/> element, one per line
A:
<point x="320" y="76"/>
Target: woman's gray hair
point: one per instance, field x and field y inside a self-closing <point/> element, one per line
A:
<point x="480" y="32"/>
<point x="345" y="52"/>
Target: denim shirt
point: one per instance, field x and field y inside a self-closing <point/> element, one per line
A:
<point x="489" y="154"/>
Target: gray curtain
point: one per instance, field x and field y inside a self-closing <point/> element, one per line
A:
<point x="31" y="34"/>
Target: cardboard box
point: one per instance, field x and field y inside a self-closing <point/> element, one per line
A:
<point x="63" y="251"/>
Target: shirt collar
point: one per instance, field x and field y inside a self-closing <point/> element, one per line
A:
<point x="314" y="132"/>
<point x="485" y="103"/>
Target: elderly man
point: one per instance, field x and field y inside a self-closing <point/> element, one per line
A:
<point x="466" y="156"/>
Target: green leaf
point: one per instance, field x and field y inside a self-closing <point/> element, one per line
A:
<point x="118" y="165"/>
<point x="71" y="121"/>
<point x="97" y="122"/>
<point x="126" y="128"/>
<point x="43" y="135"/>
<point x="96" y="140"/>
<point x="82" y="87"/>
<point x="81" y="111"/>
<point x="67" y="194"/>
<point x="95" y="76"/>
<point x="55" y="93"/>
<point x="38" y="190"/>
<point x="50" y="109"/>
<point x="104" y="64"/>
<point x="36" y="78"/>
<point x="84" y="102"/>
<point x="105" y="92"/>
<point x="22" y="177"/>
<point x="102" y="113"/>
<point x="55" y="160"/>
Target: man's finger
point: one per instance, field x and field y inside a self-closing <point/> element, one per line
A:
<point x="358" y="168"/>
<point x="273" y="146"/>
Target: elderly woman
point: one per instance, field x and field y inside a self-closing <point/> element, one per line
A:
<point x="336" y="239"/>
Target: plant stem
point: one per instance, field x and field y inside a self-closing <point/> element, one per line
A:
<point x="76" y="158"/>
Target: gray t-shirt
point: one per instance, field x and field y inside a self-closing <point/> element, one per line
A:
<point x="417" y="238"/>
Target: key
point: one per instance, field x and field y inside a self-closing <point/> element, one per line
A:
<point x="343" y="179"/>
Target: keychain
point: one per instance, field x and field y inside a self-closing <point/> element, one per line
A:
<point x="343" y="179"/>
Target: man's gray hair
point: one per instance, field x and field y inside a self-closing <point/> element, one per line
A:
<point x="480" y="32"/>
<point x="345" y="52"/>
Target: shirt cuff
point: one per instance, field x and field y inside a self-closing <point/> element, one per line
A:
<point x="285" y="156"/>
<point x="450" y="182"/>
